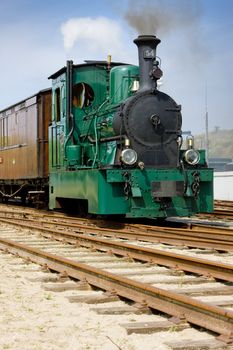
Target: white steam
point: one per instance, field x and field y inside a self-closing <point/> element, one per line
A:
<point x="96" y="34"/>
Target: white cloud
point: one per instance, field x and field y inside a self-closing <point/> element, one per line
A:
<point x="95" y="34"/>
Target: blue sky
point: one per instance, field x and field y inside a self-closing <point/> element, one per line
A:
<point x="37" y="37"/>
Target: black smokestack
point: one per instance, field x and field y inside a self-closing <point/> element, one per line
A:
<point x="147" y="57"/>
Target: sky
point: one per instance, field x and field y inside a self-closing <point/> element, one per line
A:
<point x="196" y="49"/>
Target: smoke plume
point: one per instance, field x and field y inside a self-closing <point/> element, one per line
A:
<point x="161" y="16"/>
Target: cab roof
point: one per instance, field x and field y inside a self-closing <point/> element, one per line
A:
<point x="87" y="63"/>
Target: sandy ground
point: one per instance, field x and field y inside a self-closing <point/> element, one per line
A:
<point x="34" y="319"/>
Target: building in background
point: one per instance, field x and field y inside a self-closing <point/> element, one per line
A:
<point x="221" y="164"/>
<point x="223" y="185"/>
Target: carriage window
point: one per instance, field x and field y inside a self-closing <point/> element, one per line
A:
<point x="3" y="132"/>
<point x="83" y="95"/>
<point x="58" y="104"/>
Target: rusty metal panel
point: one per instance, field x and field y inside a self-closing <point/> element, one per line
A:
<point x="167" y="188"/>
<point x="24" y="138"/>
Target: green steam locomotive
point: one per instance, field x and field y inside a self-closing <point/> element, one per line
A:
<point x="115" y="142"/>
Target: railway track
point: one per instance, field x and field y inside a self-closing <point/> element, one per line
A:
<point x="223" y="204"/>
<point x="161" y="284"/>
<point x="192" y="235"/>
<point x="222" y="210"/>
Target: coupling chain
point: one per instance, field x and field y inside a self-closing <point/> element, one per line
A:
<point x="127" y="185"/>
<point x="196" y="184"/>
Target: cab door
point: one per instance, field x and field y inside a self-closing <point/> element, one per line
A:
<point x="57" y="128"/>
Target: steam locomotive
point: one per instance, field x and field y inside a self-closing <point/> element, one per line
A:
<point x="106" y="141"/>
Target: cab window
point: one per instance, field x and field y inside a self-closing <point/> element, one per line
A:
<point x="58" y="104"/>
<point x="82" y="95"/>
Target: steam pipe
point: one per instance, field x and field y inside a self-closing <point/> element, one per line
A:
<point x="147" y="56"/>
<point x="70" y="117"/>
<point x="69" y="114"/>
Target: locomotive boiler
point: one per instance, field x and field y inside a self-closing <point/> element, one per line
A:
<point x="109" y="145"/>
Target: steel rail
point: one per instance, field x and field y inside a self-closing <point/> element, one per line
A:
<point x="106" y="225"/>
<point x="191" y="264"/>
<point x="223" y="203"/>
<point x="222" y="208"/>
<point x="205" y="315"/>
<point x="218" y="214"/>
<point x="224" y="212"/>
<point x="210" y="229"/>
<point x="200" y="230"/>
<point x="156" y="236"/>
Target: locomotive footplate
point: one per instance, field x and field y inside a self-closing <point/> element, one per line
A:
<point x="167" y="188"/>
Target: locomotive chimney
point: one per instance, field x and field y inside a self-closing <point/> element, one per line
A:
<point x="147" y="61"/>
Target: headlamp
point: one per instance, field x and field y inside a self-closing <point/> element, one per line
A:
<point x="191" y="156"/>
<point x="129" y="156"/>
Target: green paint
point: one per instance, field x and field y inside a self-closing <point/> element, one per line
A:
<point x="121" y="82"/>
<point x="82" y="162"/>
<point x="104" y="190"/>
